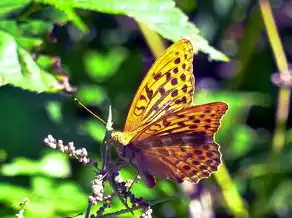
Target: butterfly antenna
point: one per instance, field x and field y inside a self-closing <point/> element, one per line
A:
<point x="133" y="182"/>
<point x="89" y="111"/>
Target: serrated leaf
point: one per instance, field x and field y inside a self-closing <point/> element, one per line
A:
<point x="19" y="68"/>
<point x="22" y="35"/>
<point x="69" y="12"/>
<point x="159" y="15"/>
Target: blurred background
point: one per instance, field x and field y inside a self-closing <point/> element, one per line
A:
<point x="106" y="65"/>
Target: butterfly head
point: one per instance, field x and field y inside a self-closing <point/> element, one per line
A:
<point x="122" y="138"/>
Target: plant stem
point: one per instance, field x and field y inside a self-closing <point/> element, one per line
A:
<point x="88" y="211"/>
<point x="281" y="61"/>
<point x="153" y="40"/>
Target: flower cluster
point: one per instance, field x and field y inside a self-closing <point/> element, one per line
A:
<point x="147" y="213"/>
<point x="97" y="189"/>
<point x="79" y="154"/>
<point x="110" y="174"/>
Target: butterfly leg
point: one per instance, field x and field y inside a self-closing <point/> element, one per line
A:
<point x="123" y="199"/>
<point x="133" y="182"/>
<point x="118" y="187"/>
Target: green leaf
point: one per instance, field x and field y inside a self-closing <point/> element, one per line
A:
<point x="102" y="66"/>
<point x="243" y="140"/>
<point x="90" y="94"/>
<point x="231" y="128"/>
<point x="95" y="129"/>
<point x="7" y="6"/>
<point x="12" y="195"/>
<point x="238" y="103"/>
<point x="17" y="65"/>
<point x="159" y="15"/>
<point x="281" y="199"/>
<point x="66" y="203"/>
<point x="69" y="11"/>
<point x="53" y="165"/>
<point x="233" y="99"/>
<point x="54" y="111"/>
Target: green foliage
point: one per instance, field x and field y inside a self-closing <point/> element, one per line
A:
<point x="18" y="66"/>
<point x="161" y="16"/>
<point x="101" y="67"/>
<point x="45" y="45"/>
<point x="7" y="6"/>
<point x="18" y="39"/>
<point x="53" y="165"/>
<point x="47" y="196"/>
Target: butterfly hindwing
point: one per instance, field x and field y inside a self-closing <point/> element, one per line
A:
<point x="179" y="157"/>
<point x="180" y="146"/>
<point x="167" y="87"/>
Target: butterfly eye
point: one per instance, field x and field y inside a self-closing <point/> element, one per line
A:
<point x="115" y="137"/>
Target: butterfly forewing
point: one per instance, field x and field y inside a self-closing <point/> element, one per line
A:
<point x="200" y="119"/>
<point x="167" y="87"/>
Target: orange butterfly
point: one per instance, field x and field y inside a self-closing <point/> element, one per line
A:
<point x="164" y="135"/>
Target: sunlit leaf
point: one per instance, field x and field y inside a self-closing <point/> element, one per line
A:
<point x="12" y="195"/>
<point x="95" y="129"/>
<point x="19" y="68"/>
<point x="66" y="203"/>
<point x="238" y="104"/>
<point x="54" y="165"/>
<point x="91" y="95"/>
<point x="54" y="111"/>
<point x="243" y="140"/>
<point x="159" y="15"/>
<point x="7" y="6"/>
<point x="281" y="200"/>
<point x="100" y="66"/>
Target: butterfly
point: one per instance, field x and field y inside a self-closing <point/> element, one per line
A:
<point x="165" y="136"/>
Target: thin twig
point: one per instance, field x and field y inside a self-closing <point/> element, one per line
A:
<point x="122" y="212"/>
<point x="138" y="207"/>
<point x="87" y="214"/>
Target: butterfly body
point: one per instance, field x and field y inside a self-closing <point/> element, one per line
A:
<point x="165" y="136"/>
